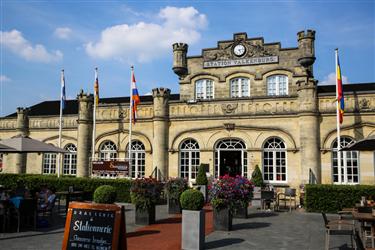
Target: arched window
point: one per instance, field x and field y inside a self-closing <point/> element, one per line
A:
<point x="277" y="85"/>
<point x="49" y="163"/>
<point x="274" y="160"/>
<point x="189" y="159"/>
<point x="107" y="151"/>
<point x="138" y="159"/>
<point x="70" y="160"/>
<point x="240" y="87"/>
<point x="349" y="163"/>
<point x="204" y="89"/>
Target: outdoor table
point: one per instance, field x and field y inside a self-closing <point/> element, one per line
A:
<point x="366" y="217"/>
<point x="68" y="197"/>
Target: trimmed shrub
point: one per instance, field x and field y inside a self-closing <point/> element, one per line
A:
<point x="105" y="194"/>
<point x="201" y="176"/>
<point x="88" y="185"/>
<point x="256" y="177"/>
<point x="333" y="198"/>
<point x="174" y="187"/>
<point x="192" y="200"/>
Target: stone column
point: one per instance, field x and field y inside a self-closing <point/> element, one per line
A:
<point x="22" y="128"/>
<point x="160" y="123"/>
<point x="85" y="126"/>
<point x="309" y="132"/>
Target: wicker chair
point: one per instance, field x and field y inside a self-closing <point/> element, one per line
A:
<point x="337" y="227"/>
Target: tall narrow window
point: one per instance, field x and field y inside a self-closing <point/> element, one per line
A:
<point x="70" y="160"/>
<point x="274" y="160"/>
<point x="239" y="87"/>
<point x="349" y="163"/>
<point x="277" y="85"/>
<point x="204" y="89"/>
<point x="49" y="163"/>
<point x="138" y="159"/>
<point x="107" y="151"/>
<point x="189" y="159"/>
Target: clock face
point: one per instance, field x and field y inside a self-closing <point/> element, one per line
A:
<point x="239" y="50"/>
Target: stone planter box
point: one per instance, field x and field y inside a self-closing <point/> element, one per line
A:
<point x="193" y="229"/>
<point x="174" y="206"/>
<point x="222" y="219"/>
<point x="240" y="211"/>
<point x="145" y="217"/>
<point x="203" y="190"/>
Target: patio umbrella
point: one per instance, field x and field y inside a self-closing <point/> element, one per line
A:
<point x="4" y="148"/>
<point x="24" y="144"/>
<point x="367" y="144"/>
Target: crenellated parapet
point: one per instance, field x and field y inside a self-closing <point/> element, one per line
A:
<point x="179" y="59"/>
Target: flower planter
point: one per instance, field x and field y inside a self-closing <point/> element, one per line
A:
<point x="193" y="230"/>
<point x="174" y="206"/>
<point x="222" y="219"/>
<point x="145" y="216"/>
<point x="240" y="211"/>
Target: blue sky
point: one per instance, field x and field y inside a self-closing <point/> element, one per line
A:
<point x="39" y="38"/>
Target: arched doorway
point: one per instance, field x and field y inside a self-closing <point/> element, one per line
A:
<point x="230" y="157"/>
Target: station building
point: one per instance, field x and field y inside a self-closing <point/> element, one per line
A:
<point x="242" y="103"/>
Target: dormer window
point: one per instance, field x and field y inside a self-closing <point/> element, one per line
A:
<point x="239" y="87"/>
<point x="277" y="85"/>
<point x="204" y="89"/>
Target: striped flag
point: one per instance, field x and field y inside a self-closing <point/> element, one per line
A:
<point x="96" y="88"/>
<point x="134" y="98"/>
<point x="63" y="97"/>
<point x="340" y="93"/>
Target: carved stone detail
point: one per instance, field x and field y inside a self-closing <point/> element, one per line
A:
<point x="229" y="126"/>
<point x="364" y="104"/>
<point x="229" y="108"/>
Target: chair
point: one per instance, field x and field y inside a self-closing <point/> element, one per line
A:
<point x="365" y="227"/>
<point x="337" y="227"/>
<point x="267" y="197"/>
<point x="5" y="213"/>
<point x="290" y="195"/>
<point x="27" y="210"/>
<point x="358" y="242"/>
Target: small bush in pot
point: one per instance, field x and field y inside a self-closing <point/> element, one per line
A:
<point x="201" y="176"/>
<point x="256" y="177"/>
<point x="192" y="200"/>
<point x="105" y="194"/>
<point x="174" y="188"/>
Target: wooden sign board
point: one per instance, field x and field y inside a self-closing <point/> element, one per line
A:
<point x="94" y="226"/>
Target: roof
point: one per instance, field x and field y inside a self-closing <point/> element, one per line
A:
<point x="348" y="88"/>
<point x="71" y="106"/>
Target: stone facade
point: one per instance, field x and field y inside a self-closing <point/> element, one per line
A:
<point x="177" y="132"/>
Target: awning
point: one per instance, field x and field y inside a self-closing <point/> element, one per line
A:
<point x="24" y="144"/>
<point x="367" y="144"/>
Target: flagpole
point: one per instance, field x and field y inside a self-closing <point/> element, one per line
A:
<point x="60" y="124"/>
<point x="338" y="121"/>
<point x="130" y="118"/>
<point x="94" y="117"/>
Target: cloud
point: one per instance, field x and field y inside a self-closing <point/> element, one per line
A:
<point x="4" y="78"/>
<point x="331" y="79"/>
<point x="63" y="33"/>
<point x="146" y="41"/>
<point x="15" y="42"/>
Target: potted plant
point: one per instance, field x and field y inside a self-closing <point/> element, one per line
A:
<point x="201" y="180"/>
<point x="144" y="194"/>
<point x="243" y="192"/>
<point x="257" y="180"/>
<point x="174" y="188"/>
<point x="193" y="220"/>
<point x="222" y="197"/>
<point x="105" y="194"/>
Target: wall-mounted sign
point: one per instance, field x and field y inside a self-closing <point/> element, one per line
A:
<point x="241" y="62"/>
<point x="111" y="167"/>
<point x="94" y="226"/>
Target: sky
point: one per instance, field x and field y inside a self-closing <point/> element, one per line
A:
<point x="40" y="38"/>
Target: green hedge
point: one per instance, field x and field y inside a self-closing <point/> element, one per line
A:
<point x="34" y="182"/>
<point x="333" y="198"/>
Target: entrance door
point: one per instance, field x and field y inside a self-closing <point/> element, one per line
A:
<point x="230" y="162"/>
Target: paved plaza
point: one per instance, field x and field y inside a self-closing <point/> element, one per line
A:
<point x="262" y="230"/>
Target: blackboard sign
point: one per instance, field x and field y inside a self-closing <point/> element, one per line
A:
<point x="94" y="226"/>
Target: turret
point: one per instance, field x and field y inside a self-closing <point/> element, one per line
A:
<point x="307" y="50"/>
<point x="179" y="59"/>
<point x="22" y="121"/>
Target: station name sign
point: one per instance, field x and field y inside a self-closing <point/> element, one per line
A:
<point x="241" y="62"/>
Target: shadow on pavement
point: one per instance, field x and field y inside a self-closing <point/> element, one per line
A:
<point x="222" y="243"/>
<point x="141" y="233"/>
<point x="250" y="225"/>
<point x="169" y="221"/>
<point x="261" y="215"/>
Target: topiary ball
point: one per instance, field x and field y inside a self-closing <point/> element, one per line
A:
<point x="105" y="194"/>
<point x="192" y="200"/>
